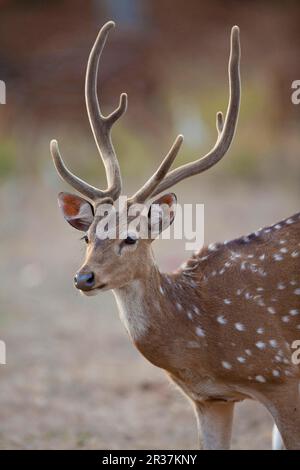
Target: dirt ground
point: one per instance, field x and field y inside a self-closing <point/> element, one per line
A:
<point x="72" y="378"/>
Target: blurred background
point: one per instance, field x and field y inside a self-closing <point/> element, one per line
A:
<point x="72" y="378"/>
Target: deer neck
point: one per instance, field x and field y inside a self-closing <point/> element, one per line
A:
<point x="142" y="308"/>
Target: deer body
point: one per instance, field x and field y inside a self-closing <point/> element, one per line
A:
<point x="224" y="324"/>
<point x="224" y="303"/>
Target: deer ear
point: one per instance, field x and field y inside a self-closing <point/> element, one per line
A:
<point x="161" y="214"/>
<point x="76" y="210"/>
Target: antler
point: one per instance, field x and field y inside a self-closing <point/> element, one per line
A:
<point x="225" y="129"/>
<point x="145" y="192"/>
<point x="101" y="127"/>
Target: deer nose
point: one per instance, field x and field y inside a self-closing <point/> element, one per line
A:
<point x="84" y="281"/>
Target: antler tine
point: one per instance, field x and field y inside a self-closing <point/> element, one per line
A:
<point x="145" y="192"/>
<point x="225" y="131"/>
<point x="81" y="186"/>
<point x="101" y="125"/>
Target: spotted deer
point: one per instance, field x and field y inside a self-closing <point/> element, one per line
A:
<point x="223" y="325"/>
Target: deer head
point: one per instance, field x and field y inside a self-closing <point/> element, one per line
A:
<point x="112" y="262"/>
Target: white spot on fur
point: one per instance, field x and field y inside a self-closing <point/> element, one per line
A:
<point x="226" y="365"/>
<point x="241" y="359"/>
<point x="212" y="247"/>
<point x="260" y="378"/>
<point x="200" y="332"/>
<point x="196" y="310"/>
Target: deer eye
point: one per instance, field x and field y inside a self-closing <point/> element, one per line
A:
<point x="85" y="238"/>
<point x="130" y="240"/>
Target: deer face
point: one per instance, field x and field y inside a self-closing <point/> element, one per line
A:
<point x="116" y="251"/>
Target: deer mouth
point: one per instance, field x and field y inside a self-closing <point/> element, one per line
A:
<point x="94" y="290"/>
<point x="101" y="286"/>
<point x="98" y="287"/>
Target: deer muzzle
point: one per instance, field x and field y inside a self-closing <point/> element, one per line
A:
<point x="84" y="281"/>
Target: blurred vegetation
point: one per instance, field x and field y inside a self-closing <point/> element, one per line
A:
<point x="260" y="151"/>
<point x="169" y="91"/>
<point x="8" y="158"/>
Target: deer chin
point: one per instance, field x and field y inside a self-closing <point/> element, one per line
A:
<point x="95" y="291"/>
<point x="89" y="293"/>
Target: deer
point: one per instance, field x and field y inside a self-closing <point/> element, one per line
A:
<point x="222" y="325"/>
